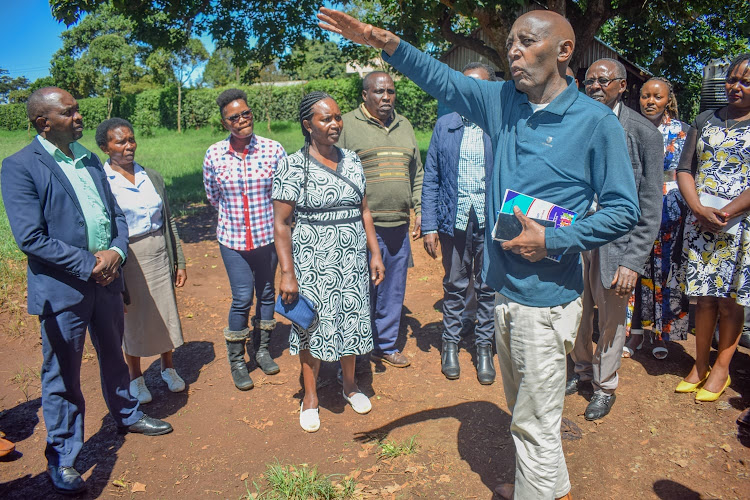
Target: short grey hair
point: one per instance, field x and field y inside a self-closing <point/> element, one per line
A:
<point x="620" y="71"/>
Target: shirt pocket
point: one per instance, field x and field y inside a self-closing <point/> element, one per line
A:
<point x="227" y="177"/>
<point x="263" y="170"/>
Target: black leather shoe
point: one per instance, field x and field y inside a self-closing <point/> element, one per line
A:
<point x="485" y="365"/>
<point x="449" y="360"/>
<point x="66" y="480"/>
<point x="575" y="384"/>
<point x="148" y="427"/>
<point x="599" y="406"/>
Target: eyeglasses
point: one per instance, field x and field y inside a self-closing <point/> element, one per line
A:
<point x="603" y="82"/>
<point x="247" y="115"/>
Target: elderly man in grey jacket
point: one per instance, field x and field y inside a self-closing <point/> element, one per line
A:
<point x="611" y="271"/>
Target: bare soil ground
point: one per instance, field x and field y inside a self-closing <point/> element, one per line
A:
<point x="654" y="443"/>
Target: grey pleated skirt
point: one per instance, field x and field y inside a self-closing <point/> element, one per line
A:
<point x="152" y="323"/>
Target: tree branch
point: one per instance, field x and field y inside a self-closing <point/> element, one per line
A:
<point x="475" y="44"/>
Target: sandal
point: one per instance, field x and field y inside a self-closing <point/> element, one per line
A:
<point x="627" y="352"/>
<point x="359" y="402"/>
<point x="309" y="420"/>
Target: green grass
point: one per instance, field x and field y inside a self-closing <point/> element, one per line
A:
<point x="392" y="449"/>
<point x="178" y="157"/>
<point x="290" y="482"/>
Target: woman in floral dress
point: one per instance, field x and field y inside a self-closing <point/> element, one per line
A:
<point x="654" y="302"/>
<point x="714" y="183"/>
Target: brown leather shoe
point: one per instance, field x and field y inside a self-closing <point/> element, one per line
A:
<point x="396" y="359"/>
<point x="6" y="447"/>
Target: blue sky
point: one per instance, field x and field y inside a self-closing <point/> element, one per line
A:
<point x="29" y="37"/>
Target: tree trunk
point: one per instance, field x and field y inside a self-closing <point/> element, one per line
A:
<point x="179" y="108"/>
<point x="110" y="103"/>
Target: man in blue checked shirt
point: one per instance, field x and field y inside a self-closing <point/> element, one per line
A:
<point x="453" y="222"/>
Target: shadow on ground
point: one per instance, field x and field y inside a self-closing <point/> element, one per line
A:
<point x="100" y="452"/>
<point x="491" y="455"/>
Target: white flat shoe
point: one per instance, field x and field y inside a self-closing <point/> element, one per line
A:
<point x="174" y="381"/>
<point x="309" y="420"/>
<point x="359" y="402"/>
<point x="139" y="390"/>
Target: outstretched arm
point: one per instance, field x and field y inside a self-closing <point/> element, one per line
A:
<point x="356" y="31"/>
<point x="478" y="100"/>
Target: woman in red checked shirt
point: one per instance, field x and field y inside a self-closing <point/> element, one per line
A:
<point x="238" y="177"/>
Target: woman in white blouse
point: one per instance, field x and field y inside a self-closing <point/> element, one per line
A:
<point x="155" y="263"/>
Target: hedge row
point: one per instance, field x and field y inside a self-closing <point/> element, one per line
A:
<point x="158" y="107"/>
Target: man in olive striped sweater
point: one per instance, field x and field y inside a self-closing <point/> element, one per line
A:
<point x="385" y="142"/>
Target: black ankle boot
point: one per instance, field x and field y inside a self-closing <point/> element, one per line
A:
<point x="236" y="355"/>
<point x="261" y="339"/>
<point x="449" y="360"/>
<point x="485" y="365"/>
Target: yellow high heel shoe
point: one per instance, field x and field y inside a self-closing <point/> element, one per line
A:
<point x="705" y="396"/>
<point x="685" y="387"/>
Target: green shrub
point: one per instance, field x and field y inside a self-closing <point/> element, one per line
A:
<point x="346" y="91"/>
<point x="93" y="110"/>
<point x="13" y="117"/>
<point x="157" y="108"/>
<point x="415" y="104"/>
<point x="199" y="107"/>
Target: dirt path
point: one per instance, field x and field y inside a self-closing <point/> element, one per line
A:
<point x="654" y="444"/>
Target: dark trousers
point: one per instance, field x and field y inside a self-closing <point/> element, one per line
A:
<point x="387" y="299"/>
<point x="462" y="260"/>
<point x="250" y="270"/>
<point x="63" y="336"/>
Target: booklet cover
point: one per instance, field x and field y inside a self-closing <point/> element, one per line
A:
<point x="543" y="212"/>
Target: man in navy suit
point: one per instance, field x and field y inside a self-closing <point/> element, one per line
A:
<point x="65" y="219"/>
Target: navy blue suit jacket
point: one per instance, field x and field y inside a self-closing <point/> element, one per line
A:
<point x="440" y="184"/>
<point x="47" y="222"/>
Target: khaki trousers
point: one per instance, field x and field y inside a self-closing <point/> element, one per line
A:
<point x="532" y="343"/>
<point x="600" y="366"/>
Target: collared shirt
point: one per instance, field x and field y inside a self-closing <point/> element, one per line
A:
<point x="139" y="201"/>
<point x="98" y="224"/>
<point x="239" y="185"/>
<point x="616" y="109"/>
<point x="470" y="176"/>
<point x="377" y="121"/>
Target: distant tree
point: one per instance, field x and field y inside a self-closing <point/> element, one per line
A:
<point x="231" y="23"/>
<point x="9" y="85"/>
<point x="679" y="50"/>
<point x="22" y="95"/>
<point x="315" y="60"/>
<point x="219" y="70"/>
<point x="99" y="54"/>
<point x="177" y="67"/>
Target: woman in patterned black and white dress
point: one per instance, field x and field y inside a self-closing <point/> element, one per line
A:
<point x="325" y="256"/>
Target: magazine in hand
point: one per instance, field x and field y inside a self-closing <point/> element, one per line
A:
<point x="543" y="212"/>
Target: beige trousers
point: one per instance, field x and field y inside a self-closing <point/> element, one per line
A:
<point x="600" y="366"/>
<point x="532" y="343"/>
